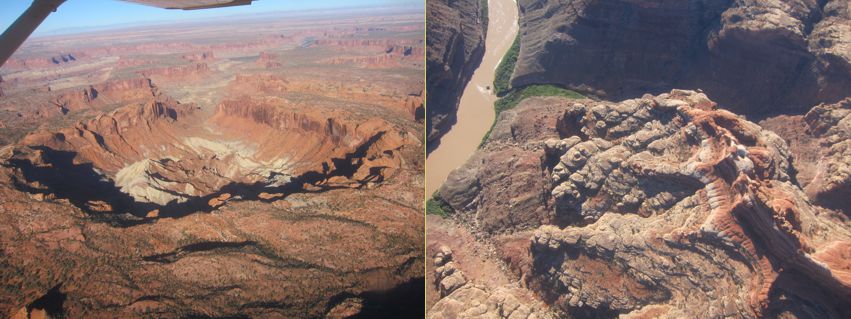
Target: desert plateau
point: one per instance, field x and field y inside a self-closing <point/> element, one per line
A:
<point x="268" y="166"/>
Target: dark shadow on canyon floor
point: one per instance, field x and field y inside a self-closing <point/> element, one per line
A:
<point x="402" y="301"/>
<point x="87" y="188"/>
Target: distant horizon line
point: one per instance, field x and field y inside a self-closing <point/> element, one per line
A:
<point x="130" y="25"/>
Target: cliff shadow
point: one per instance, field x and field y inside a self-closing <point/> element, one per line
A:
<point x="84" y="186"/>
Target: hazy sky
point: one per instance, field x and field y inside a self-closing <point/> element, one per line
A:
<point x="76" y="14"/>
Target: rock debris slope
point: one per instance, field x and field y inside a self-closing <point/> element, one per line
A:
<point x="658" y="206"/>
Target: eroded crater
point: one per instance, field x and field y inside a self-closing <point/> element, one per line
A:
<point x="166" y="159"/>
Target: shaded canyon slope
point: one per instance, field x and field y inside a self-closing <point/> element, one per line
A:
<point x="752" y="57"/>
<point x="664" y="205"/>
<point x="455" y="44"/>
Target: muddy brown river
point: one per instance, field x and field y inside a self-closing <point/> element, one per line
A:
<point x="475" y="112"/>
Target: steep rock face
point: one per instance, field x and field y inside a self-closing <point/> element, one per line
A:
<point x="750" y="56"/>
<point x="818" y="144"/>
<point x="655" y="206"/>
<point x="28" y="109"/>
<point x="194" y="71"/>
<point x="455" y="45"/>
<point x="409" y="101"/>
<point x="316" y="137"/>
<point x="221" y="216"/>
<point x="391" y="56"/>
<point x="831" y="184"/>
<point x="105" y="93"/>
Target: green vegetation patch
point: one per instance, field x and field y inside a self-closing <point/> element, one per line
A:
<point x="438" y="206"/>
<point x="514" y="97"/>
<point x="506" y="68"/>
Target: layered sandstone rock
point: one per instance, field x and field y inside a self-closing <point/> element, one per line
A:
<point x="750" y="56"/>
<point x="394" y="56"/>
<point x="33" y="106"/>
<point x="409" y="101"/>
<point x="194" y="71"/>
<point x="455" y="45"/>
<point x="658" y="206"/>
<point x="109" y="92"/>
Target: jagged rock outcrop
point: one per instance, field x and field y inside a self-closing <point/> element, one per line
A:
<point x="658" y="206"/>
<point x="463" y="299"/>
<point x="110" y="92"/>
<point x="455" y="42"/>
<point x="751" y="56"/>
<point x="46" y="103"/>
<point x="831" y="125"/>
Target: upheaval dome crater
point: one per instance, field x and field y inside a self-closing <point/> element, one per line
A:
<point x="161" y="158"/>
